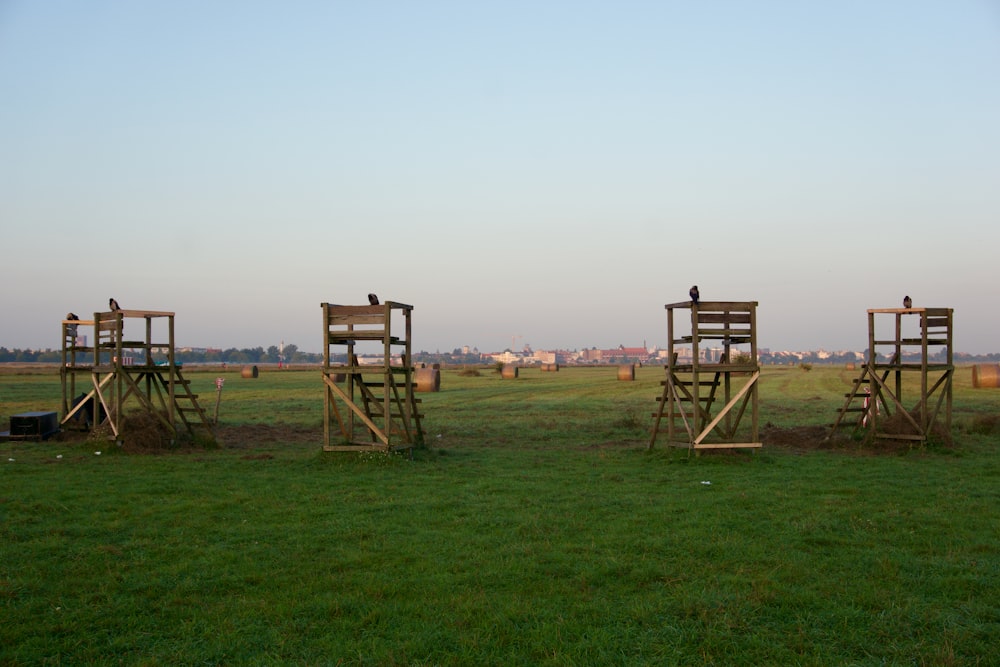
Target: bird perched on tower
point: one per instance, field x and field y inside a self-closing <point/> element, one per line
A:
<point x="907" y="302"/>
<point x="113" y="305"/>
<point x="372" y="299"/>
<point x="71" y="328"/>
<point x="693" y="293"/>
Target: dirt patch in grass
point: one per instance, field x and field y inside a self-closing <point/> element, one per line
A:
<point x="799" y="438"/>
<point x="985" y="425"/>
<point x="898" y="424"/>
<point x="816" y="438"/>
<point x="144" y="433"/>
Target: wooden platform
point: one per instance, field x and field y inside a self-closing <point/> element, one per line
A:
<point x="704" y="401"/>
<point x="369" y="406"/>
<point x="115" y="372"/>
<point x="876" y="405"/>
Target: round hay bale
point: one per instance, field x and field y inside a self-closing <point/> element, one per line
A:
<point x="626" y="372"/>
<point x="849" y="365"/>
<point x="339" y="378"/>
<point x="550" y="368"/>
<point x="986" y="376"/>
<point x="249" y="372"/>
<point x="508" y="372"/>
<point x="427" y="379"/>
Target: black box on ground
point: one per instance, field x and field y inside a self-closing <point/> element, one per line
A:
<point x="29" y="425"/>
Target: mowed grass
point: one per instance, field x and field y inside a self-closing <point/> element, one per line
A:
<point x="537" y="528"/>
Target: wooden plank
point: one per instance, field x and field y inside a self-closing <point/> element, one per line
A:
<point x="355" y="310"/>
<point x="359" y="412"/>
<point x="361" y="447"/>
<point x="726" y="445"/>
<point x="98" y="386"/>
<point x="684" y="418"/>
<point x="687" y="399"/>
<point x="708" y="306"/>
<point x="912" y="342"/>
<point x="136" y="313"/>
<point x="370" y="320"/>
<point x="360" y="334"/>
<point x="723" y="318"/>
<point x="733" y="340"/>
<point x="726" y="408"/>
<point x="916" y="342"/>
<point x="727" y="331"/>
<point x="367" y="308"/>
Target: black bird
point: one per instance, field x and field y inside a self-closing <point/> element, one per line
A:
<point x="693" y="293"/>
<point x="907" y="302"/>
<point x="71" y="328"/>
<point x="372" y="299"/>
<point x="113" y="305"/>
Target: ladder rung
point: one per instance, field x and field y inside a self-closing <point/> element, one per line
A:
<point x="686" y="399"/>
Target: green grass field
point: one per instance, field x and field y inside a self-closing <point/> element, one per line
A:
<point x="536" y="528"/>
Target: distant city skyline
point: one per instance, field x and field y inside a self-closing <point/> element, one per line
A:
<point x="526" y="347"/>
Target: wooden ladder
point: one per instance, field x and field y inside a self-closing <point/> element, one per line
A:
<point x="186" y="403"/>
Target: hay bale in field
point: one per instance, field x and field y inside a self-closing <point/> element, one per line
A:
<point x="626" y="372"/>
<point x="550" y="368"/>
<point x="427" y="379"/>
<point x="849" y="365"/>
<point x="986" y="376"/>
<point x="508" y="372"/>
<point x="249" y="372"/>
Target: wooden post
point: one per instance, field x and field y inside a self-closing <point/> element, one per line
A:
<point x="218" y="397"/>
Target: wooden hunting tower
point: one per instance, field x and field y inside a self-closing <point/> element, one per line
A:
<point x="371" y="404"/>
<point x="112" y="372"/>
<point x="915" y="358"/>
<point x="706" y="395"/>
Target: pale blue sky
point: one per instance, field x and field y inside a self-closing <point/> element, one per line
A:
<point x="552" y="170"/>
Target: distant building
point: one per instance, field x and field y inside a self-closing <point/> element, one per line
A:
<point x="547" y="357"/>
